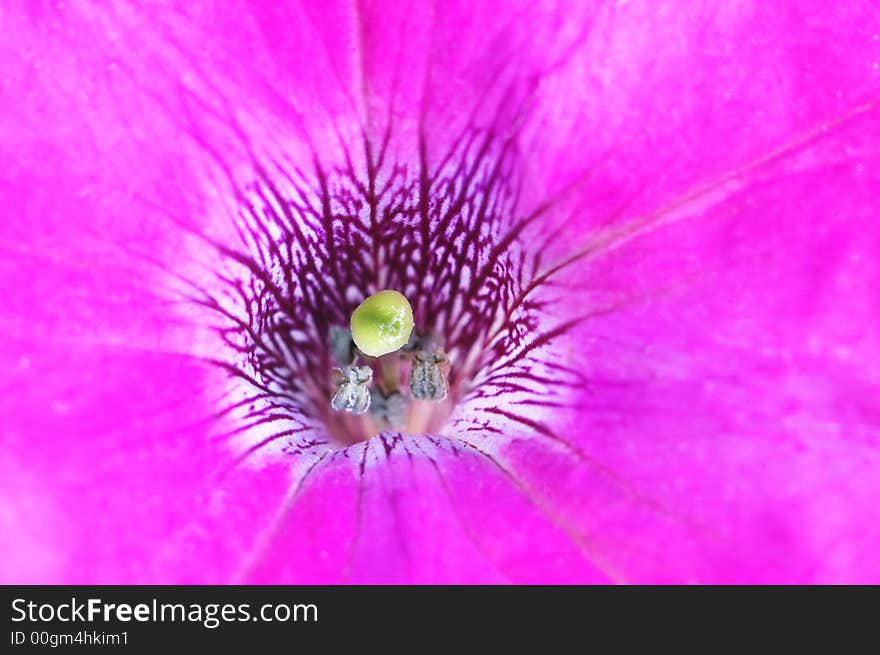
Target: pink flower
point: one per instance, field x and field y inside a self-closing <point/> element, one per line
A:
<point x="646" y="235"/>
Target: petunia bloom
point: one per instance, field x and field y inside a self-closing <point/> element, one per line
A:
<point x="645" y="236"/>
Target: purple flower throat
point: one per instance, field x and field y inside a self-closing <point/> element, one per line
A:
<point x="314" y="243"/>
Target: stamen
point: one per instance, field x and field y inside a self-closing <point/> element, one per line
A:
<point x="428" y="378"/>
<point x="352" y="393"/>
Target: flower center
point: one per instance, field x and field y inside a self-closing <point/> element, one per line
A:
<point x="381" y="344"/>
<point x="315" y="244"/>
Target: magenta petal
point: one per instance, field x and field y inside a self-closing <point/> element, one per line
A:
<point x="651" y="114"/>
<point x="732" y="380"/>
<point x="717" y="165"/>
<point x="636" y="103"/>
<point x="728" y="428"/>
<point x="423" y="510"/>
<point x="115" y="466"/>
<point x="108" y="474"/>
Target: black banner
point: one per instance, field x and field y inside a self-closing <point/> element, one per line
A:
<point x="148" y="618"/>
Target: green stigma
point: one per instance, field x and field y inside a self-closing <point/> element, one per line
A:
<point x="382" y="323"/>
